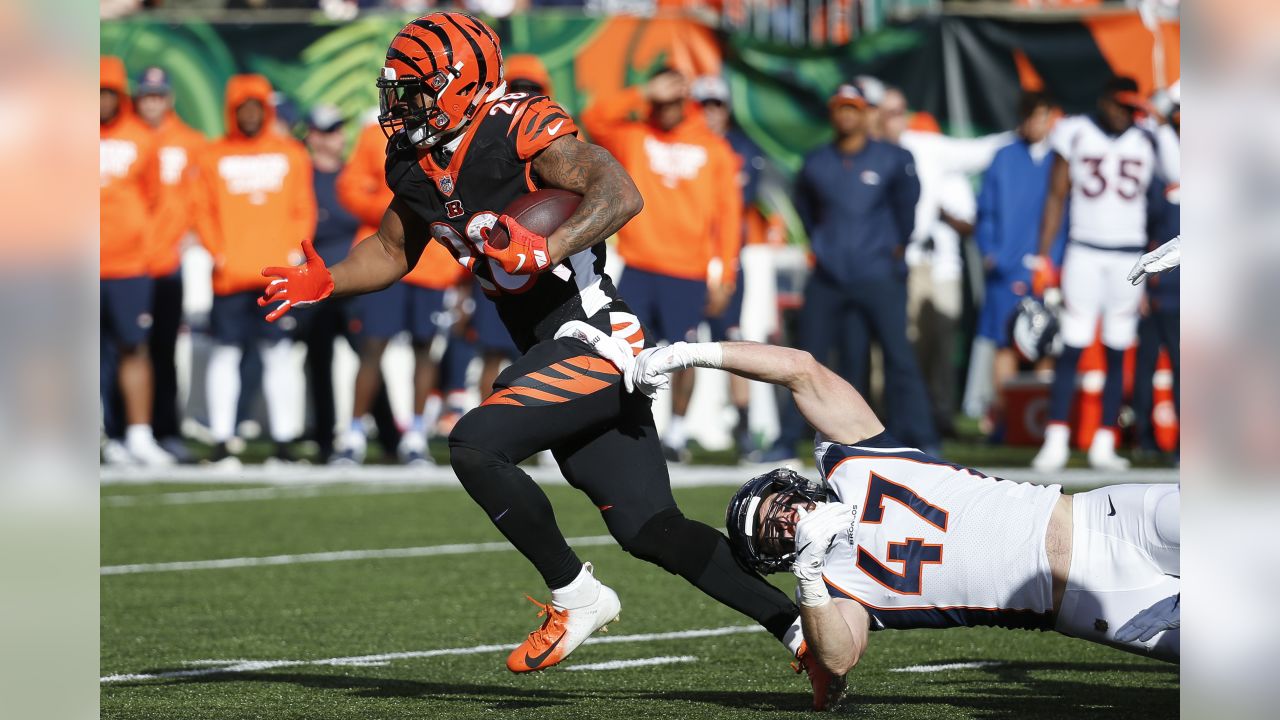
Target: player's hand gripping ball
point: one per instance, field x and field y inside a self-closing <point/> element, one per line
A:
<point x="518" y="241"/>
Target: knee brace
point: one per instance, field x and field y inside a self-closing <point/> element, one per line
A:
<point x="675" y="543"/>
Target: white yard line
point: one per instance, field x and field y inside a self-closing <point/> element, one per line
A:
<point x="281" y="492"/>
<point x="642" y="662"/>
<point x="442" y="476"/>
<point x="947" y="666"/>
<point x="241" y="666"/>
<point x="337" y="556"/>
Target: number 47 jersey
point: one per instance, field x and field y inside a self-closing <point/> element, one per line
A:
<point x="934" y="544"/>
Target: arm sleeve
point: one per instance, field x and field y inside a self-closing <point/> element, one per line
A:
<point x="970" y="156"/>
<point x="361" y="184"/>
<point x="537" y="124"/>
<point x="904" y="196"/>
<point x="606" y="117"/>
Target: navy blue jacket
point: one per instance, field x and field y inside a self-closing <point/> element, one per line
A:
<point x="335" y="227"/>
<point x="858" y="209"/>
<point x="1164" y="222"/>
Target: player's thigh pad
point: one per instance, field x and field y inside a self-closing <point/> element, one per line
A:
<point x="1123" y="301"/>
<point x="551" y="395"/>
<point x="1115" y="568"/>
<point x="1083" y="294"/>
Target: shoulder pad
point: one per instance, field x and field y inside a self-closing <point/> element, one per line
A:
<point x="537" y="123"/>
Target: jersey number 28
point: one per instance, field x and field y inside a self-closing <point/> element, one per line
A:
<point x="913" y="553"/>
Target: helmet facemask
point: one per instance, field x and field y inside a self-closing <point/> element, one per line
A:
<point x="409" y="104"/>
<point x="767" y="544"/>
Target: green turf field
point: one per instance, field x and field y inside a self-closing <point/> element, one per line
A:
<point x="353" y="638"/>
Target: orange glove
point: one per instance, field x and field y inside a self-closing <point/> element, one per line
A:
<point x="297" y="285"/>
<point x="1044" y="276"/>
<point x="525" y="254"/>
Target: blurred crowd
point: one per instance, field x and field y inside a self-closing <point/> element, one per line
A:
<point x="922" y="252"/>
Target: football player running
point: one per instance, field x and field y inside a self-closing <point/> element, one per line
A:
<point x="460" y="150"/>
<point x="892" y="538"/>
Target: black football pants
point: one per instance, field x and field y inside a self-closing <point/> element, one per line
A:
<point x="560" y="396"/>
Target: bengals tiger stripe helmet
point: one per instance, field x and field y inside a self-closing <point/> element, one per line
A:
<point x="440" y="69"/>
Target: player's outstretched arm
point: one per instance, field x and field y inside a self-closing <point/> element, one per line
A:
<point x="609" y="197"/>
<point x="830" y="404"/>
<point x="1166" y="257"/>
<point x="373" y="264"/>
<point x="385" y="257"/>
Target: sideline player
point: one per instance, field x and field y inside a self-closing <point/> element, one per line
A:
<point x="1104" y="162"/>
<point x="461" y="149"/>
<point x="954" y="548"/>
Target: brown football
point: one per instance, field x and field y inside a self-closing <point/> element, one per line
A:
<point x="542" y="211"/>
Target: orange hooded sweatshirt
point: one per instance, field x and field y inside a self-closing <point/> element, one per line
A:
<point x="129" y="177"/>
<point x="362" y="190"/>
<point x="256" y="201"/>
<point x="688" y="178"/>
<point x="179" y="147"/>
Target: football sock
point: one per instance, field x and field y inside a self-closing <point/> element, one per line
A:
<point x="282" y="386"/>
<point x="1113" y="388"/>
<point x="582" y="591"/>
<point x="138" y="435"/>
<point x="222" y="388"/>
<point x="675" y="435"/>
<point x="793" y="637"/>
<point x="1064" y="383"/>
<point x="418" y="425"/>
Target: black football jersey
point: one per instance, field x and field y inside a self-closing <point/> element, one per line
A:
<point x="490" y="168"/>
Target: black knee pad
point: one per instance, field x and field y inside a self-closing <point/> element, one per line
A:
<point x="675" y="543"/>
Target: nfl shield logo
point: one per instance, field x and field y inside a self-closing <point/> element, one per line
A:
<point x="446" y="184"/>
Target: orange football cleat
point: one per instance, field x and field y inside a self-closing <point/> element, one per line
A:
<point x="828" y="689"/>
<point x="563" y="631"/>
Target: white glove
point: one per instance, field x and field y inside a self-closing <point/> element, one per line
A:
<point x="1165" y="257"/>
<point x="1164" y="615"/>
<point x="816" y="532"/>
<point x="650" y="373"/>
<point x="614" y="349"/>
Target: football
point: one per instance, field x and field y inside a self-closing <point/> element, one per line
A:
<point x="542" y="211"/>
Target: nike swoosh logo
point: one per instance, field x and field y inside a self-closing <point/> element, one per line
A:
<point x="534" y="662"/>
<point x="519" y="264"/>
<point x="1113" y="506"/>
<point x="553" y="129"/>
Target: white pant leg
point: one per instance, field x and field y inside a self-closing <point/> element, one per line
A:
<point x="222" y="388"/>
<point x="1082" y="294"/>
<point x="1122" y="302"/>
<point x="282" y="387"/>
<point x="1116" y="567"/>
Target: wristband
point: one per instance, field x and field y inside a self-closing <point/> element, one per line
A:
<point x="813" y="593"/>
<point x="707" y="355"/>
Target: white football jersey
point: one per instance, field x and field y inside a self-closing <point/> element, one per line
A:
<point x="1109" y="179"/>
<point x="937" y="545"/>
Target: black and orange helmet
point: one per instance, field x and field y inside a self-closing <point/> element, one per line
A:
<point x="440" y="69"/>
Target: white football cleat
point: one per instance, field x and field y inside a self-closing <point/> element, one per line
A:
<point x="1102" y="452"/>
<point x="1056" y="450"/>
<point x="564" y="629"/>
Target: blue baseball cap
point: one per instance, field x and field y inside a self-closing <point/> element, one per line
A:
<point x="152" y="81"/>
